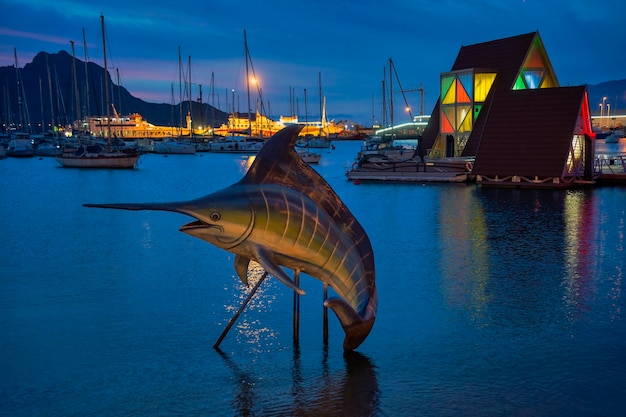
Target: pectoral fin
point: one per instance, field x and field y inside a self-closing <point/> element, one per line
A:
<point x="265" y="259"/>
<point x="241" y="268"/>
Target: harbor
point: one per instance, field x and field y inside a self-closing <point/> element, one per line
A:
<point x="472" y="258"/>
<point x="492" y="301"/>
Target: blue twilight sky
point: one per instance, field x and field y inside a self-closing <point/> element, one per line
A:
<point x="348" y="42"/>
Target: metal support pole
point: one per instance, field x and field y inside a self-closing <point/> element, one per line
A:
<point x="325" y="316"/>
<point x="238" y="313"/>
<point x="296" y="309"/>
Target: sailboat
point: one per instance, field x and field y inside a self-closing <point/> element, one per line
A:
<point x="98" y="155"/>
<point x="20" y="144"/>
<point x="321" y="140"/>
<point x="253" y="140"/>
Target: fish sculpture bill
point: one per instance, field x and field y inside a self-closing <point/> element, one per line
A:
<point x="283" y="214"/>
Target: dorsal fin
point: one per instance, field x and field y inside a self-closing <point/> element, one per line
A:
<point x="279" y="163"/>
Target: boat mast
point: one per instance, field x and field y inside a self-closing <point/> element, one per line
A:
<point x="52" y="117"/>
<point x="202" y="120"/>
<point x="189" y="113"/>
<point x="384" y="96"/>
<point x="75" y="87"/>
<point x="322" y="104"/>
<point x="306" y="113"/>
<point x="391" y="93"/>
<point x="212" y="118"/>
<point x="402" y="91"/>
<point x="43" y="123"/>
<point x="106" y="80"/>
<point x="119" y="92"/>
<point x="19" y="89"/>
<point x="245" y="45"/>
<point x="180" y="94"/>
<point x="117" y="111"/>
<point x="87" y="109"/>
<point x="172" y="122"/>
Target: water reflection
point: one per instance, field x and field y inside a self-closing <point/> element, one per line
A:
<point x="464" y="257"/>
<point x="515" y="257"/>
<point x="580" y="252"/>
<point x="249" y="328"/>
<point x="353" y="391"/>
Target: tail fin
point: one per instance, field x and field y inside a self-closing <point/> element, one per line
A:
<point x="355" y="327"/>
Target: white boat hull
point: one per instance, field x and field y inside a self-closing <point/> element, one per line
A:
<point x="237" y="146"/>
<point x="174" y="148"/>
<point x="48" y="151"/>
<point x="310" y="157"/>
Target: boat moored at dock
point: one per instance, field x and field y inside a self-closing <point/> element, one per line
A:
<point x="20" y="145"/>
<point x="95" y="156"/>
<point x="237" y="144"/>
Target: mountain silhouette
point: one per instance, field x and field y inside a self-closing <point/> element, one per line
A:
<point x="48" y="96"/>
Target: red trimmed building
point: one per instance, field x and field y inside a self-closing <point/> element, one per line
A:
<point x="501" y="103"/>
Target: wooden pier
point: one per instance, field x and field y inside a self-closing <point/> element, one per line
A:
<point x="444" y="170"/>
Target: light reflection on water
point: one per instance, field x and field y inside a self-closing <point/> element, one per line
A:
<point x="250" y="328"/>
<point x="491" y="302"/>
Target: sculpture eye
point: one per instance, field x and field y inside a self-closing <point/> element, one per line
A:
<point x="215" y="216"/>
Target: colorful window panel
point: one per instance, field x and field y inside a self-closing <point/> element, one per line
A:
<point x="448" y="121"/>
<point x="549" y="81"/>
<point x="448" y="85"/>
<point x="533" y="78"/>
<point x="464" y="118"/>
<point x="482" y="85"/>
<point x="477" y="109"/>
<point x="519" y="83"/>
<point x="464" y="88"/>
<point x="535" y="57"/>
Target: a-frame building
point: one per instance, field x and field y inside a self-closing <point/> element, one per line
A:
<point x="501" y="103"/>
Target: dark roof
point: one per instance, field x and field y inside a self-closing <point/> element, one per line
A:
<point x="504" y="56"/>
<point x="529" y="132"/>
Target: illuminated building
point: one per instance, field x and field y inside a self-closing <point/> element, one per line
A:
<point x="501" y="104"/>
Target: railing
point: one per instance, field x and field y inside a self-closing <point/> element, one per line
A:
<point x="610" y="164"/>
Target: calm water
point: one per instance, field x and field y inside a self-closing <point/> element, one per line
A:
<point x="491" y="302"/>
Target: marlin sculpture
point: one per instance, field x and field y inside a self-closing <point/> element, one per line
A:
<point x="282" y="213"/>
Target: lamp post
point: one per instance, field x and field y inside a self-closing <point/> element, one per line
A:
<point x="602" y="110"/>
<point x="254" y="82"/>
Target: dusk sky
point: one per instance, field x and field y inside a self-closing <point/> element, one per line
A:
<point x="348" y="42"/>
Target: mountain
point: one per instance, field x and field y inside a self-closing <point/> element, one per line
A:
<point x="48" y="95"/>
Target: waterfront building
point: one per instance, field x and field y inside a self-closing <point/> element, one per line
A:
<point x="133" y="127"/>
<point x="501" y="104"/>
<point x="258" y="125"/>
<point x="254" y="124"/>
